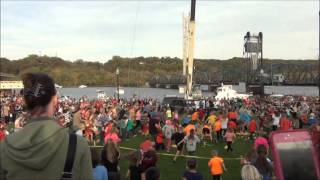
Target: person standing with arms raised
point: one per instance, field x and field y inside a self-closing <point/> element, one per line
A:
<point x="39" y="150"/>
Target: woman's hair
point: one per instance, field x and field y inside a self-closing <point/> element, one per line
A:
<point x="38" y="90"/>
<point x="110" y="152"/>
<point x="95" y="157"/>
<point x="249" y="172"/>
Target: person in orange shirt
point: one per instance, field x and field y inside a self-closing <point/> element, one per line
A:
<point x="195" y="116"/>
<point x="285" y="123"/>
<point x="232" y="115"/>
<point x="188" y="128"/>
<point x="217" y="129"/>
<point x="216" y="166"/>
<point x="252" y="127"/>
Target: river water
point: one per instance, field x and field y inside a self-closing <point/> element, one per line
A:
<point x="158" y="93"/>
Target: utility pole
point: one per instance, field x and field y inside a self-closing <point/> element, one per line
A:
<point x="271" y="74"/>
<point x="261" y="65"/>
<point x="191" y="30"/>
<point x="118" y="93"/>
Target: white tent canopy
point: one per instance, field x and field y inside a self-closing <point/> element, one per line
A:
<point x="11" y="85"/>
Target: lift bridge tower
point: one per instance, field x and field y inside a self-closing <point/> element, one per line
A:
<point x="185" y="20"/>
<point x="188" y="49"/>
<point x="253" y="55"/>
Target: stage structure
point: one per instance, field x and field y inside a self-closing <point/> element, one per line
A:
<point x="253" y="55"/>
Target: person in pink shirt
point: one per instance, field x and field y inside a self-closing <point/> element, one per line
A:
<point x="112" y="135"/>
<point x="229" y="136"/>
<point x="175" y="115"/>
<point x="261" y="141"/>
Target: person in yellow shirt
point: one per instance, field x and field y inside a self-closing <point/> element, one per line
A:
<point x="169" y="113"/>
<point x="216" y="166"/>
<point x="212" y="119"/>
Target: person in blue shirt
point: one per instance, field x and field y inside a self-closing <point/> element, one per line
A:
<point x="99" y="171"/>
<point x="186" y="120"/>
<point x="312" y="119"/>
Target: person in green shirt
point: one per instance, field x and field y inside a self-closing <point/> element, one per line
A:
<point x="39" y="149"/>
<point x="130" y="126"/>
<point x="123" y="127"/>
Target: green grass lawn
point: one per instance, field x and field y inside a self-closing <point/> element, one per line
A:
<point x="173" y="171"/>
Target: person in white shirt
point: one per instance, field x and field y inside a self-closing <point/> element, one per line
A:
<point x="276" y="120"/>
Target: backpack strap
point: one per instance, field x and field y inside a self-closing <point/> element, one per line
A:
<point x="67" y="171"/>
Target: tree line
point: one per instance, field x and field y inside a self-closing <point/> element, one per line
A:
<point x="133" y="71"/>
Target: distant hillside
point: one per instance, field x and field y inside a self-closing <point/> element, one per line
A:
<point x="137" y="71"/>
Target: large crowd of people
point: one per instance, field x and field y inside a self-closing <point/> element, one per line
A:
<point x="40" y="144"/>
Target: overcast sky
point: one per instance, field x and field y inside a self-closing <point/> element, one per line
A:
<point x="98" y="30"/>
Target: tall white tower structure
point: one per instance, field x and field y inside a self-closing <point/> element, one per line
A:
<point x="190" y="45"/>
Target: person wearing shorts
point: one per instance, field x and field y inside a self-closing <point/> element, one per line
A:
<point x="177" y="137"/>
<point x="206" y="131"/>
<point x="216" y="166"/>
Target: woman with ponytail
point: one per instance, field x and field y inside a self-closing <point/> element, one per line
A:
<point x="39" y="149"/>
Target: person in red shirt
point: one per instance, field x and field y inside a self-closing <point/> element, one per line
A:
<point x="232" y="125"/>
<point x="146" y="145"/>
<point x="159" y="141"/>
<point x="232" y="116"/>
<point x="201" y="113"/>
<point x="2" y="132"/>
<point x="89" y="131"/>
<point x="285" y="123"/>
<point x="252" y="127"/>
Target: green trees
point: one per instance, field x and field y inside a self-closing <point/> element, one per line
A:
<point x="134" y="71"/>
